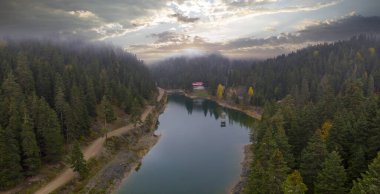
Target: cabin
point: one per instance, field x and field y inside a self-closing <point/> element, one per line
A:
<point x="198" y="86"/>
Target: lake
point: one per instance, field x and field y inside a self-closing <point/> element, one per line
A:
<point x="199" y="151"/>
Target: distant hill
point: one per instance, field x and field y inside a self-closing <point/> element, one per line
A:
<point x="306" y="74"/>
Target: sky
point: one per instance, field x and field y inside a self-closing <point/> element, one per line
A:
<point x="157" y="29"/>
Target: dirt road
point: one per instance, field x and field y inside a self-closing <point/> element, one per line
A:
<point x="92" y="150"/>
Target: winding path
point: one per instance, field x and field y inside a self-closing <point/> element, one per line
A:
<point x="92" y="150"/>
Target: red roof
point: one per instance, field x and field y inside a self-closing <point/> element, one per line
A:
<point x="197" y="83"/>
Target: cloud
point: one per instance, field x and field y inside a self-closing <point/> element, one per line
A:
<point x="236" y="27"/>
<point x="41" y="18"/>
<point x="182" y="18"/>
<point x="253" y="47"/>
<point x="249" y="2"/>
<point x="341" y="29"/>
<point x="83" y="14"/>
<point x="169" y="37"/>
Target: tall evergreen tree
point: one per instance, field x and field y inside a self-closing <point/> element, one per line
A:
<point x="294" y="184"/>
<point x="77" y="162"/>
<point x="24" y="75"/>
<point x="269" y="168"/>
<point x="356" y="163"/>
<point x="90" y="98"/>
<point x="106" y="110"/>
<point x="30" y="151"/>
<point x="49" y="133"/>
<point x="10" y="168"/>
<point x="285" y="148"/>
<point x="79" y="110"/>
<point x="59" y="99"/>
<point x="370" y="181"/>
<point x="312" y="158"/>
<point x="277" y="172"/>
<point x="332" y="177"/>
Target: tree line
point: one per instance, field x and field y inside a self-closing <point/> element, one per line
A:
<point x="49" y="96"/>
<point x="306" y="74"/>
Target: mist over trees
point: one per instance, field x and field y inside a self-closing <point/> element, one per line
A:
<point x="307" y="74"/>
<point x="49" y="95"/>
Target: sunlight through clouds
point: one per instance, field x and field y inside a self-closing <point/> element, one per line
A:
<point x="155" y="28"/>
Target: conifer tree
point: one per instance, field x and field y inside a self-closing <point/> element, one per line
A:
<point x="10" y="168"/>
<point x="90" y="98"/>
<point x="70" y="128"/>
<point x="24" y="74"/>
<point x="49" y="133"/>
<point x="356" y="163"/>
<point x="285" y="148"/>
<point x="79" y="110"/>
<point x="269" y="168"/>
<point x="11" y="97"/>
<point x="277" y="172"/>
<point x="294" y="184"/>
<point x="77" y="162"/>
<point x="332" y="177"/>
<point x="107" y="112"/>
<point x="59" y="99"/>
<point x="312" y="158"/>
<point x="30" y="151"/>
<point x="369" y="183"/>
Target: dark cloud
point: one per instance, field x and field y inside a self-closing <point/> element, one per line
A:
<point x="36" y="18"/>
<point x="341" y="29"/>
<point x="185" y="19"/>
<point x="170" y="37"/>
<point x="260" y="48"/>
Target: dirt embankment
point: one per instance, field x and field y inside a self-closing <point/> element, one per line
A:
<point x="130" y="149"/>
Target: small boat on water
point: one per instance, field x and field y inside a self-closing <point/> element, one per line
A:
<point x="223" y="119"/>
<point x="156" y="134"/>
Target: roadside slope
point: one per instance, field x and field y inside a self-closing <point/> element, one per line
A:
<point x="92" y="150"/>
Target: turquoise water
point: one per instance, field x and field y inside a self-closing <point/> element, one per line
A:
<point x="195" y="154"/>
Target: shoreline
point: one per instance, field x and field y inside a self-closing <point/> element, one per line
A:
<point x="256" y="113"/>
<point x="123" y="154"/>
<point x="155" y="138"/>
<point x="238" y="187"/>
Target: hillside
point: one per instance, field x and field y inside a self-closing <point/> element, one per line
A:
<point x="306" y="74"/>
<point x="50" y="96"/>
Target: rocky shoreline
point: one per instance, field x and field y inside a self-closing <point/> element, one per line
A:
<point x="244" y="175"/>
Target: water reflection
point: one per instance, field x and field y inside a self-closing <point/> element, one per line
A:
<point x="195" y="153"/>
<point x="211" y="109"/>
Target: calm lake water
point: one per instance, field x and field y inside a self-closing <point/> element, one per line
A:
<point x="195" y="154"/>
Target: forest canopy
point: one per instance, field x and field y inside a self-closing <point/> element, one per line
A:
<point x="49" y="95"/>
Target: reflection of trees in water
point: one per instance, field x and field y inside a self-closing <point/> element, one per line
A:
<point x="189" y="106"/>
<point x="213" y="109"/>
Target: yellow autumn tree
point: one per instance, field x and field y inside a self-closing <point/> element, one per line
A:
<point x="372" y="51"/>
<point x="325" y="129"/>
<point x="250" y="91"/>
<point x="220" y="91"/>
